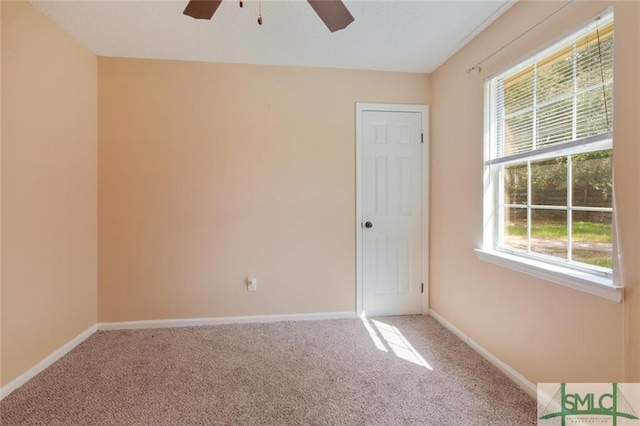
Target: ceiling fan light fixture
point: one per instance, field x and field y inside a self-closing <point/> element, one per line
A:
<point x="201" y="9"/>
<point x="333" y="13"/>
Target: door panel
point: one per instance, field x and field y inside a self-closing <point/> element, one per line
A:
<point x="391" y="202"/>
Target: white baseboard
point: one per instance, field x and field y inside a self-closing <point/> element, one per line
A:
<point x="42" y="365"/>
<point x="518" y="378"/>
<point x="192" y="322"/>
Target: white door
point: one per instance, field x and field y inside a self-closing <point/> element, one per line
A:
<point x="391" y="185"/>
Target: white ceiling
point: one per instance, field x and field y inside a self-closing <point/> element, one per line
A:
<point x="395" y="35"/>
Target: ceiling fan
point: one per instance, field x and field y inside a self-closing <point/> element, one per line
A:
<point x="333" y="13"/>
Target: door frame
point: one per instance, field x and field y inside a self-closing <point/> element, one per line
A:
<point x="424" y="110"/>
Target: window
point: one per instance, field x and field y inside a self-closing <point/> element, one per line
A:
<point x="549" y="186"/>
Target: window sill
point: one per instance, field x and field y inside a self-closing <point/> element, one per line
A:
<point x="582" y="281"/>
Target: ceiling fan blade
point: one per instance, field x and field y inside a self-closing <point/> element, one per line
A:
<point x="333" y="13"/>
<point x="201" y="9"/>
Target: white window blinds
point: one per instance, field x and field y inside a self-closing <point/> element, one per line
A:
<point x="560" y="99"/>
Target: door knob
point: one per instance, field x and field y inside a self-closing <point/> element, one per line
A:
<point x="368" y="225"/>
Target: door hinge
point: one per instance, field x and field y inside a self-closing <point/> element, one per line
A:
<point x="422" y="288"/>
<point x="421" y="137"/>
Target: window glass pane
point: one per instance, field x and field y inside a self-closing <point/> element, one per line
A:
<point x="592" y="179"/>
<point x="515" y="228"/>
<point x="515" y="184"/>
<point x="557" y="96"/>
<point x="518" y="134"/>
<point x="518" y="91"/>
<point x="593" y="116"/>
<point x="555" y="123"/>
<point x="594" y="64"/>
<point x="555" y="75"/>
<point x="549" y="182"/>
<point x="591" y="240"/>
<point x="549" y="232"/>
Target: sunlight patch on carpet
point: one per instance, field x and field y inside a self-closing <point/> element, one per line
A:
<point x="385" y="337"/>
<point x="374" y="335"/>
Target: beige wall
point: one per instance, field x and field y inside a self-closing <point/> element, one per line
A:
<point x="0" y="195"/>
<point x="633" y="296"/>
<point x="547" y="332"/>
<point x="49" y="196"/>
<point x="210" y="172"/>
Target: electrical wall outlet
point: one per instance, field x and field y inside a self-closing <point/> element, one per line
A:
<point x="252" y="283"/>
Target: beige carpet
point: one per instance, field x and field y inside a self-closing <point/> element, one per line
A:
<point x="388" y="371"/>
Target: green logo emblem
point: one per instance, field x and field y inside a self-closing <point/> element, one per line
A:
<point x="613" y="405"/>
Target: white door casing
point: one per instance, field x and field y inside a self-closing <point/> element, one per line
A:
<point x="391" y="178"/>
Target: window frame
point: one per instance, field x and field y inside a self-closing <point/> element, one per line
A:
<point x="570" y="207"/>
<point x="591" y="279"/>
